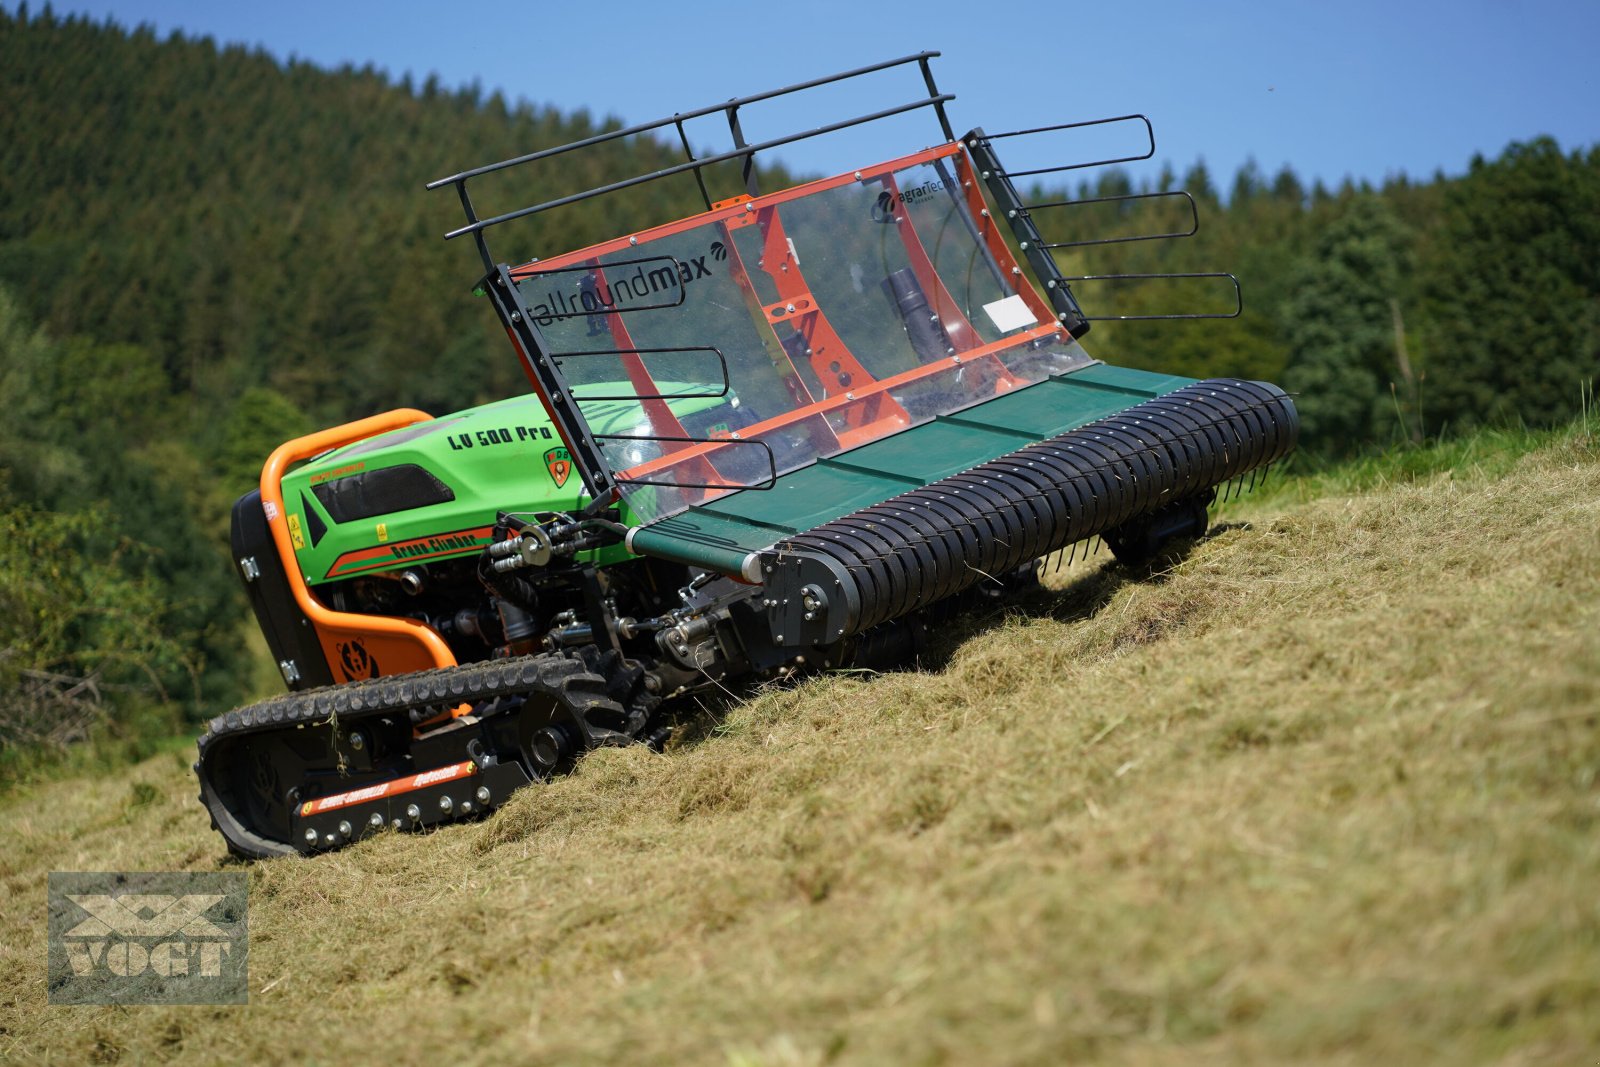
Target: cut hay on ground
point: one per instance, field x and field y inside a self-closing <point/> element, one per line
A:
<point x="1325" y="790"/>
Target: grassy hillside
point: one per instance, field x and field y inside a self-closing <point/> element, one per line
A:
<point x="206" y="251"/>
<point x="1324" y="790"/>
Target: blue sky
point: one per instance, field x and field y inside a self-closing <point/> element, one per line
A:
<point x="1356" y="87"/>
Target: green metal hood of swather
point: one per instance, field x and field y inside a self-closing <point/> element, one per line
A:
<point x="433" y="490"/>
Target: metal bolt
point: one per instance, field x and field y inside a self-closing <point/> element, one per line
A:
<point x="849" y="396"/>
<point x="984" y="212"/>
<point x="633" y="240"/>
<point x="357" y="741"/>
<point x="810" y="615"/>
<point x="987" y="175"/>
<point x="1062" y="316"/>
<point x="1011" y="214"/>
<point x="790" y="309"/>
<point x="858" y="175"/>
<point x="376" y="821"/>
<point x="395" y="824"/>
<point x="1016" y="270"/>
<point x="328" y="839"/>
<point x="516" y="316"/>
<point x="483" y="794"/>
<point x="445" y="804"/>
<point x="413" y="812"/>
<point x="345" y="828"/>
<point x="1051" y="284"/>
<point x="311" y="837"/>
<point x="749" y="207"/>
<point x="466" y="806"/>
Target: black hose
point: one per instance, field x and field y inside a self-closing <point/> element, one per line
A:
<point x="928" y="338"/>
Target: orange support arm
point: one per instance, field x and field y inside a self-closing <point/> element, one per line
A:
<point x="391" y="646"/>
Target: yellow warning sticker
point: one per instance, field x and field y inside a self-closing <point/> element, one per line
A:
<point x="294" y="532"/>
<point x="383" y="532"/>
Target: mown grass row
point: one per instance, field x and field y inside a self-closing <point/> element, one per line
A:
<point x="1325" y="789"/>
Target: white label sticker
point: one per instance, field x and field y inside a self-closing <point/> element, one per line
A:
<point x="1010" y="313"/>
<point x="270" y="508"/>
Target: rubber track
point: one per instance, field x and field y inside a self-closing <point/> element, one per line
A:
<point x="444" y="686"/>
<point x="569" y="680"/>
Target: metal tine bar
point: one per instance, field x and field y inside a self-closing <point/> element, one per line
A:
<point x="1194" y="217"/>
<point x="710" y="109"/>
<point x="722" y="363"/>
<point x="766" y="483"/>
<point x="721" y="157"/>
<point x="1149" y="130"/>
<point x="472" y="216"/>
<point x="688" y="152"/>
<point x="1238" y="295"/>
<point x="933" y="90"/>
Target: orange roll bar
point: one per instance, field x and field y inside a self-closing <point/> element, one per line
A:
<point x="390" y="645"/>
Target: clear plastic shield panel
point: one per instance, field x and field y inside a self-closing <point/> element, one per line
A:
<point x="714" y="355"/>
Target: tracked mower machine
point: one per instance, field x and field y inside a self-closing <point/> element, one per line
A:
<point x="787" y="431"/>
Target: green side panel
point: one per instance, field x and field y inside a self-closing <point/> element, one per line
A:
<point x="720" y="534"/>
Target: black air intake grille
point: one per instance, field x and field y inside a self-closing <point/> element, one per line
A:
<point x="381" y="492"/>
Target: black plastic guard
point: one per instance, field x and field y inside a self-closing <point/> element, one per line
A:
<point x="290" y="635"/>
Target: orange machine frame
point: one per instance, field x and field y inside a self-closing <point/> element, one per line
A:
<point x="868" y="409"/>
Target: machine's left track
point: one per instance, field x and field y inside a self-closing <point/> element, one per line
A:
<point x="315" y="770"/>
